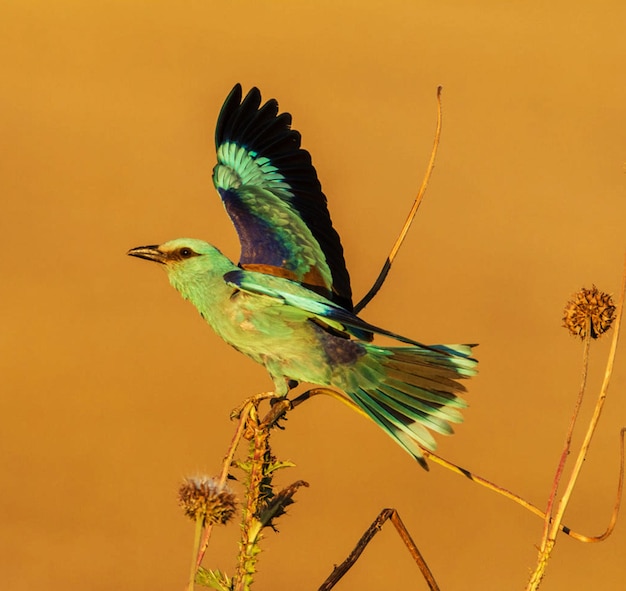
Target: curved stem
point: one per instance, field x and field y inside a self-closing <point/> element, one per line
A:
<point x="242" y="413"/>
<point x="618" y="499"/>
<point x="407" y="224"/>
<point x="596" y="414"/>
<point x="546" y="549"/>
<point x="487" y="483"/>
<point x="386" y="514"/>
<point x="568" y="438"/>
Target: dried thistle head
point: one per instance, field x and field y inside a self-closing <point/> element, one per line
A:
<point x="203" y="497"/>
<point x="589" y="309"/>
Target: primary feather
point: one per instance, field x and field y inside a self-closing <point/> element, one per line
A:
<point x="272" y="194"/>
<point x="288" y="304"/>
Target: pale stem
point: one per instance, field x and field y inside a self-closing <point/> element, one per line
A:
<point x="568" y="439"/>
<point x="196" y="545"/>
<point x="545" y="552"/>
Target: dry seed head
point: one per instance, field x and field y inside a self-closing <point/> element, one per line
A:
<point x="589" y="308"/>
<point x="203" y="497"/>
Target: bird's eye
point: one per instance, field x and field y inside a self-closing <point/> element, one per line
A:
<point x="186" y="252"/>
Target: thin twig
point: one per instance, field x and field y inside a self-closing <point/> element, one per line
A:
<point x="403" y="532"/>
<point x="479" y="479"/>
<point x="529" y="506"/>
<point x="407" y="224"/>
<point x="242" y="413"/>
<point x="596" y="413"/>
<point x="366" y="538"/>
<point x="620" y="488"/>
<point x="340" y="396"/>
<point x="241" y="425"/>
<point x="544" y="554"/>
<point x="483" y="482"/>
<point x="251" y="527"/>
<point x="568" y="438"/>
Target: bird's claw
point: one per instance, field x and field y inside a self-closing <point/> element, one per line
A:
<point x="252" y="400"/>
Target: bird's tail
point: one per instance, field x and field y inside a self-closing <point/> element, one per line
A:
<point x="410" y="391"/>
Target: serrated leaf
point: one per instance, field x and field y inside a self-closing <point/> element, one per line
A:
<point x="277" y="505"/>
<point x="243" y="465"/>
<point x="278" y="466"/>
<point x="214" y="579"/>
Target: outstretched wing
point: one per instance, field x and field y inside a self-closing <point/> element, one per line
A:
<point x="338" y="319"/>
<point x="272" y="194"/>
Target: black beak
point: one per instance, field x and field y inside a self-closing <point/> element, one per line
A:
<point x="150" y="253"/>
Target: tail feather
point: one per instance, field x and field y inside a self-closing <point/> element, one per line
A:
<point x="416" y="399"/>
<point x="393" y="421"/>
<point x="410" y="372"/>
<point x="410" y="391"/>
<point x="413" y="408"/>
<point x="440" y="361"/>
<point x="434" y="392"/>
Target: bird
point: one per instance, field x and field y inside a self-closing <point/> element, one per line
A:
<point x="287" y="304"/>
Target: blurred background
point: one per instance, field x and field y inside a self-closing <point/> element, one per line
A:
<point x="113" y="389"/>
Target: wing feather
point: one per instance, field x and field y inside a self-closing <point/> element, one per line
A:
<point x="337" y="318"/>
<point x="271" y="192"/>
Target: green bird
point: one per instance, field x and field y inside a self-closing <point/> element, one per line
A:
<point x="288" y="303"/>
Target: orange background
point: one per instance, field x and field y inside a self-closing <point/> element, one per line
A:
<point x="112" y="387"/>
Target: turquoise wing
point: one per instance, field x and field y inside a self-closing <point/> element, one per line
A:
<point x="407" y="390"/>
<point x="339" y="320"/>
<point x="271" y="192"/>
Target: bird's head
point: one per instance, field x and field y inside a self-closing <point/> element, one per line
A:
<point x="173" y="253"/>
<point x="189" y="263"/>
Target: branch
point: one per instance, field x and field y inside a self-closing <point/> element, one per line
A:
<point x="366" y="538"/>
<point x="549" y="542"/>
<point x="418" y="200"/>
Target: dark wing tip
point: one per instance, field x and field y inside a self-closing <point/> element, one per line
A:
<point x="261" y="129"/>
<point x="257" y="127"/>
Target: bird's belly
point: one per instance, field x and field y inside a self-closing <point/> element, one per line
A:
<point x="286" y="347"/>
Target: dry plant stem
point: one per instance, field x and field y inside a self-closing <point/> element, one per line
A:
<point x="545" y="552"/>
<point x="616" y="505"/>
<point x="483" y="482"/>
<point x="568" y="438"/>
<point x="429" y="454"/>
<point x="529" y="506"/>
<point x="224" y="475"/>
<point x="620" y="488"/>
<point x="372" y="530"/>
<point x="435" y="458"/>
<point x="196" y="546"/>
<point x="418" y="199"/>
<point x="251" y="526"/>
<point x="333" y="394"/>
<point x="414" y="551"/>
<point x="496" y="488"/>
<point x="479" y="479"/>
<point x="242" y="413"/>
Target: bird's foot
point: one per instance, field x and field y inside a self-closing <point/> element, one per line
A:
<point x="252" y="400"/>
<point x="279" y="408"/>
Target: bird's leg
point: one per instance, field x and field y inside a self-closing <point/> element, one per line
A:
<point x="278" y="410"/>
<point x="280" y="404"/>
<point x="282" y="386"/>
<point x="253" y="400"/>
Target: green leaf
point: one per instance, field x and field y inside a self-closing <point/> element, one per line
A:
<point x="215" y="579"/>
<point x="278" y="465"/>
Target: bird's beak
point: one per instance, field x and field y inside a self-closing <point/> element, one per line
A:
<point x="150" y="253"/>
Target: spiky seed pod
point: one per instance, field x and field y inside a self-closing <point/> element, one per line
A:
<point x="589" y="308"/>
<point x="203" y="497"/>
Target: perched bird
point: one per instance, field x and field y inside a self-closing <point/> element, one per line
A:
<point x="288" y="303"/>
